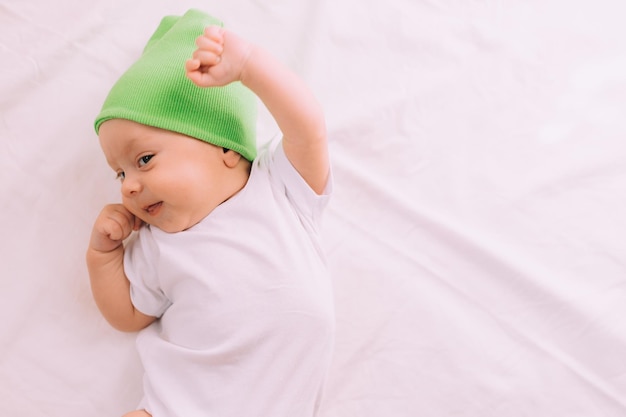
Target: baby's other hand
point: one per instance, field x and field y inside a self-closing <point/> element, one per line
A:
<point x="114" y="224"/>
<point x="220" y="58"/>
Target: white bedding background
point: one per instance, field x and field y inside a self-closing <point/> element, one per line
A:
<point x="476" y="237"/>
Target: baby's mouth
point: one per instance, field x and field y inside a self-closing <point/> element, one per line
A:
<point x="153" y="209"/>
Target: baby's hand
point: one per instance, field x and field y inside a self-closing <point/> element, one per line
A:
<point x="114" y="224"/>
<point x="220" y="58"/>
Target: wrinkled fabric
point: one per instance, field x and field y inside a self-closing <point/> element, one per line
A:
<point x="476" y="232"/>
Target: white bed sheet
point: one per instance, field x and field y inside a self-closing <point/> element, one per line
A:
<point x="477" y="233"/>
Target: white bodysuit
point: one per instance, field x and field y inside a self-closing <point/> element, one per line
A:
<point x="245" y="303"/>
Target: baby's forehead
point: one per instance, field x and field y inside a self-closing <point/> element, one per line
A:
<point x="120" y="137"/>
<point x="128" y="133"/>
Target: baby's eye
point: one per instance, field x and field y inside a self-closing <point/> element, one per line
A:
<point x="120" y="176"/>
<point x="144" y="160"/>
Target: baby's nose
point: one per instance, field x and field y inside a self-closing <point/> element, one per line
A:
<point x="130" y="186"/>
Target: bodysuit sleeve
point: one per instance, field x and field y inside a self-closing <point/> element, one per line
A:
<point x="308" y="204"/>
<point x="140" y="260"/>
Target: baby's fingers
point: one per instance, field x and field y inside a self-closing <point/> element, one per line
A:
<point x="114" y="230"/>
<point x="113" y="225"/>
<point x="212" y="40"/>
<point x="199" y="68"/>
<point x="206" y="58"/>
<point x="192" y="65"/>
<point x="214" y="33"/>
<point x="197" y="73"/>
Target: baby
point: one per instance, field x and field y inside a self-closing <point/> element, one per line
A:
<point x="224" y="277"/>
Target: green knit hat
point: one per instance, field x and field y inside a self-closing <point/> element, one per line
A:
<point x="155" y="91"/>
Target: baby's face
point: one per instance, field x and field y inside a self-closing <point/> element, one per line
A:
<point x="169" y="180"/>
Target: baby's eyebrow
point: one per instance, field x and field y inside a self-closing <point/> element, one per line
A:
<point x="127" y="151"/>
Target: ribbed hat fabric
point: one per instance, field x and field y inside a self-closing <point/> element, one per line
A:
<point x="155" y="91"/>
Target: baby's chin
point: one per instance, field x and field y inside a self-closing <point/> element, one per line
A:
<point x="165" y="218"/>
<point x="171" y="227"/>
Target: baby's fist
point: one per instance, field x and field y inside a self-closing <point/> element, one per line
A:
<point x="208" y="54"/>
<point x="219" y="59"/>
<point x="114" y="224"/>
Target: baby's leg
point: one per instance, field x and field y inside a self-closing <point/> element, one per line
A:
<point x="138" y="413"/>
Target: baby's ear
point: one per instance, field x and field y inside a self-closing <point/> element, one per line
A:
<point x="231" y="158"/>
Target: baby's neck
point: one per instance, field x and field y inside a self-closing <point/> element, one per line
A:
<point x="238" y="180"/>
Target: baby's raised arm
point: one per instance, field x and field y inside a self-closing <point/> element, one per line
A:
<point x="105" y="262"/>
<point x="223" y="57"/>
